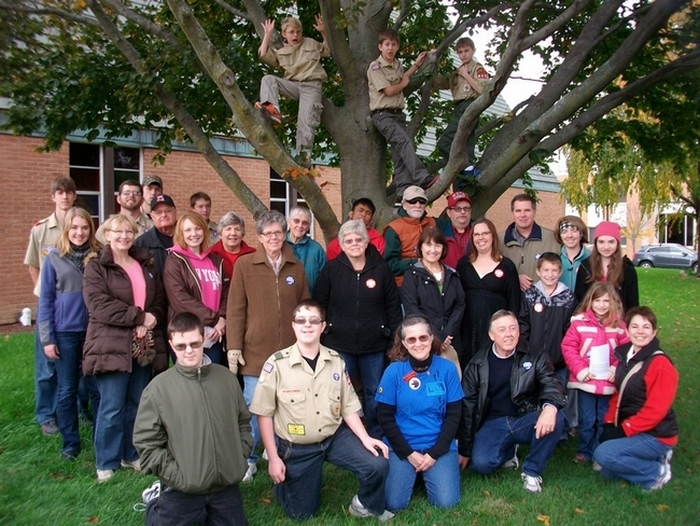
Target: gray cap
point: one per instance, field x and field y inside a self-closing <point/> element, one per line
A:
<point x="152" y="179"/>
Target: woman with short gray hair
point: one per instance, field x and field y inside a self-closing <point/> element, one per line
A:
<point x="306" y="250"/>
<point x="231" y="246"/>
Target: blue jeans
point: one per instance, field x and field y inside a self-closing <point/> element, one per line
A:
<point x="442" y="482"/>
<point x="120" y="394"/>
<point x="300" y="493"/>
<point x="495" y="443"/>
<point x="371" y="367"/>
<point x="216" y="353"/>
<point x="249" y="384"/>
<point x="45" y="383"/>
<point x="591" y="413"/>
<point x="218" y="508"/>
<point x="70" y="356"/>
<point x="636" y="459"/>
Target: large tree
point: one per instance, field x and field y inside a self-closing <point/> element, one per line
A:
<point x="189" y="69"/>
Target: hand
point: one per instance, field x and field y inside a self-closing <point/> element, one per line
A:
<point x="318" y="26"/>
<point x="235" y="357"/>
<point x="525" y="282"/>
<point x="427" y="463"/>
<point x="446" y="343"/>
<point x="375" y="446"/>
<point x="421" y="58"/>
<point x="463" y="462"/>
<point x="51" y="351"/>
<point x="546" y="422"/>
<point x="415" y="459"/>
<point x="611" y="376"/>
<point x="141" y="331"/>
<point x="463" y="70"/>
<point x="276" y="468"/>
<point x="268" y="27"/>
<point x="149" y="322"/>
<point x="217" y="331"/>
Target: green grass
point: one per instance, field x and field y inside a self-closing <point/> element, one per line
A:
<point x="36" y="488"/>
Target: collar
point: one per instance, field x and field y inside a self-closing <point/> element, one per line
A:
<point x="493" y="350"/>
<point x="194" y="372"/>
<point x="295" y="357"/>
<point x="535" y="234"/>
<point x="386" y="64"/>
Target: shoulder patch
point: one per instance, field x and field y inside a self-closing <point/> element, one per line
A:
<point x="375" y="66"/>
<point x="278" y="355"/>
<point x="268" y="367"/>
<point x="481" y="74"/>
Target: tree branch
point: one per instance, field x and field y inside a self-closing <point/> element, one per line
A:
<point x="143" y="22"/>
<point x="66" y="15"/>
<point x="233" y="10"/>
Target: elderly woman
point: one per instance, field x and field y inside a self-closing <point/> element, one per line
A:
<point x="572" y="234"/>
<point x="640" y="428"/>
<point x="433" y="290"/>
<point x="606" y="263"/>
<point x="363" y="309"/>
<point x="490" y="283"/>
<point x="265" y="289"/>
<point x="231" y="246"/>
<point x="126" y="302"/>
<point x="63" y="318"/>
<point x="195" y="281"/>
<point x="306" y="250"/>
<point x="420" y="404"/>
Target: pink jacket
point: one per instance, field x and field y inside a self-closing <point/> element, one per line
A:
<point x="584" y="332"/>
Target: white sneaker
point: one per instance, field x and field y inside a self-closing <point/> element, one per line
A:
<point x="264" y="455"/>
<point x="132" y="464"/>
<point x="512" y="463"/>
<point x="252" y="470"/>
<point x="531" y="484"/>
<point x="152" y="492"/>
<point x="356" y="509"/>
<point x="666" y="463"/>
<point x="103" y="475"/>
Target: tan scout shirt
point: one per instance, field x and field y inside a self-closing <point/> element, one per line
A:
<point x="461" y="89"/>
<point x="382" y="74"/>
<point x="43" y="237"/>
<point x="300" y="63"/>
<point x="144" y="224"/>
<point x="306" y="406"/>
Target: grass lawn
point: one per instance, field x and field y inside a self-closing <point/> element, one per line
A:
<point x="36" y="488"/>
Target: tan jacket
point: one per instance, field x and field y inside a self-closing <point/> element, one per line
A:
<point x="260" y="306"/>
<point x="300" y="63"/>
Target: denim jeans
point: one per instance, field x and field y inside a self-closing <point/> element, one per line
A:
<point x="249" y="384"/>
<point x="636" y="459"/>
<point x="120" y="394"/>
<point x="300" y="493"/>
<point x="216" y="353"/>
<point x="70" y="356"/>
<point x="591" y="413"/>
<point x="495" y="443"/>
<point x="371" y="367"/>
<point x="175" y="508"/>
<point x="45" y="383"/>
<point x="442" y="482"/>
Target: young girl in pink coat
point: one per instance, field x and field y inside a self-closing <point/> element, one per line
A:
<point x="594" y="332"/>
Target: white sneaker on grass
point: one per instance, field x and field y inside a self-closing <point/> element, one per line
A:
<point x="531" y="484"/>
<point x="132" y="464"/>
<point x="151" y="492"/>
<point x="251" y="471"/>
<point x="512" y="463"/>
<point x="356" y="509"/>
<point x="103" y="475"/>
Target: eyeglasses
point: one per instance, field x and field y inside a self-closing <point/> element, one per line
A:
<point x="482" y="234"/>
<point x="417" y="200"/>
<point x="180" y="347"/>
<point x="127" y="233"/>
<point x="135" y="193"/>
<point x="461" y="209"/>
<point x="276" y="233"/>
<point x="162" y="211"/>
<point x="310" y="321"/>
<point x="353" y="241"/>
<point x="412" y="340"/>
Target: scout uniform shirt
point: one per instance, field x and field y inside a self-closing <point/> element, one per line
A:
<point x="43" y="237"/>
<point x="461" y="89"/>
<point x="382" y="74"/>
<point x="300" y="63"/>
<point x="306" y="406"/>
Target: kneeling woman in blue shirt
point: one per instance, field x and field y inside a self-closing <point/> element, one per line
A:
<point x="419" y="409"/>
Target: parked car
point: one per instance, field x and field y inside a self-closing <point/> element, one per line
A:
<point x="666" y="255"/>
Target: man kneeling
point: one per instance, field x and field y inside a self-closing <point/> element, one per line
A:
<point x="305" y="397"/>
<point x="193" y="431"/>
<point x="512" y="396"/>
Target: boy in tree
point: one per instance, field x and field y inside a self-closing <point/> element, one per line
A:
<point x="300" y="61"/>
<point x="466" y="83"/>
<point x="387" y="80"/>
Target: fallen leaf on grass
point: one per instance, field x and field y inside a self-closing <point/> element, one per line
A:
<point x="486" y="494"/>
<point x="579" y="511"/>
<point x="266" y="502"/>
<point x="93" y="520"/>
<point x="544" y="519"/>
<point x="663" y="507"/>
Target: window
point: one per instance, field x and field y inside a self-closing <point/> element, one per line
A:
<point x="283" y="198"/>
<point x="98" y="171"/>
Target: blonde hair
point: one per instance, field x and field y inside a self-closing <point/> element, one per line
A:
<point x="120" y="219"/>
<point x="290" y="21"/>
<point x="63" y="243"/>
<point x="196" y="220"/>
<point x="598" y="290"/>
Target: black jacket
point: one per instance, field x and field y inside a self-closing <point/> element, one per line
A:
<point x="533" y="383"/>
<point x="420" y="295"/>
<point x="152" y="242"/>
<point x="628" y="289"/>
<point x="362" y="308"/>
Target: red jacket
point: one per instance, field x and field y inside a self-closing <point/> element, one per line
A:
<point x="333" y="249"/>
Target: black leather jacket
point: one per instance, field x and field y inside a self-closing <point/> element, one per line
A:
<point x="533" y="383"/>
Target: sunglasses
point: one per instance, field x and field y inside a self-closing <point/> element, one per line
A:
<point x="417" y="200"/>
<point x="412" y="340"/>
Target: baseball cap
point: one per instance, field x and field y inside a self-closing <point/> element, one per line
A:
<point x="162" y="200"/>
<point x="152" y="179"/>
<point x="414" y="192"/>
<point x="456" y="197"/>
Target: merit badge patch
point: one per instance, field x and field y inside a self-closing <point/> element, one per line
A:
<point x="414" y="383"/>
<point x="370" y="283"/>
<point x="289" y="280"/>
<point x="481" y="74"/>
<point x="527" y="365"/>
<point x="498" y="273"/>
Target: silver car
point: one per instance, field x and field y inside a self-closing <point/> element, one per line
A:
<point x="666" y="255"/>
